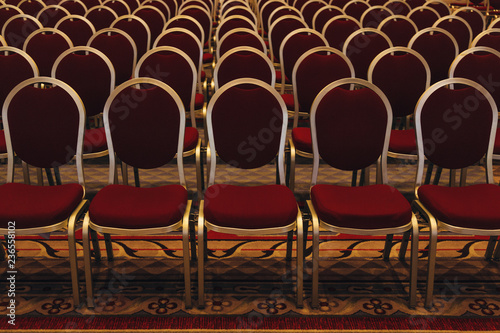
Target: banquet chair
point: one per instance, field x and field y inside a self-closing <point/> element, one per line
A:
<point x="231" y="23"/>
<point x="168" y="8"/>
<point x="44" y="46"/>
<point x="337" y="29"/>
<point x="423" y="17"/>
<point x="241" y="109"/>
<point x="149" y="137"/>
<point x="239" y="37"/>
<point x="44" y="127"/>
<point x="278" y="30"/>
<point x="31" y="7"/>
<point x="310" y="8"/>
<point x="313" y="71"/>
<point x="75" y="7"/>
<point x="77" y="28"/>
<point x="120" y="49"/>
<point x="101" y="17"/>
<point x="241" y="11"/>
<point x="356" y="8"/>
<point x="372" y="17"/>
<point x="458" y="27"/>
<point x="204" y="19"/>
<point x="350" y="131"/>
<point x="175" y="68"/>
<point x="324" y="15"/>
<point x="400" y="29"/>
<point x="136" y="28"/>
<point x="469" y="138"/>
<point x="154" y="18"/>
<point x="489" y="38"/>
<point x="6" y="12"/>
<point x="17" y="28"/>
<point x="265" y="12"/>
<point x="120" y="7"/>
<point x="50" y="15"/>
<point x="398" y="7"/>
<point x="474" y="18"/>
<point x="440" y="6"/>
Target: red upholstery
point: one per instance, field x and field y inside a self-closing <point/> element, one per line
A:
<point x="208" y="58"/>
<point x="474" y="206"/>
<point x="297" y="45"/>
<point x="94" y="140"/>
<point x="301" y="137"/>
<point x="240" y="39"/>
<point x="138" y="33"/>
<point x="289" y="102"/>
<point x="118" y="7"/>
<point x="14" y="69"/>
<point x="278" y="78"/>
<point x="356" y="9"/>
<point x="474" y="19"/>
<point x="77" y="30"/>
<point x="44" y="49"/>
<point x="18" y="30"/>
<point x="75" y="8"/>
<point x="423" y="18"/>
<point x="415" y="3"/>
<point x="280" y="31"/>
<point x="32" y="206"/>
<point x="250" y="207"/>
<point x="131" y="207"/>
<point x="309" y="11"/>
<point x="50" y="16"/>
<point x="398" y="8"/>
<point x="190" y="138"/>
<point x="442" y="8"/>
<point x="244" y="64"/>
<point x="101" y="17"/>
<point x="199" y="100"/>
<point x="186" y="24"/>
<point x="403" y="142"/>
<point x="3" y="144"/>
<point x="400" y="31"/>
<point x="364" y="207"/>
<point x="339" y="3"/>
<point x="361" y="57"/>
<point x="31" y="7"/>
<point x="183" y="42"/>
<point x="338" y="31"/>
<point x="199" y="15"/>
<point x="373" y="17"/>
<point x="325" y="16"/>
<point x="460" y="32"/>
<point x="490" y="40"/>
<point x="233" y="23"/>
<point x="6" y="14"/>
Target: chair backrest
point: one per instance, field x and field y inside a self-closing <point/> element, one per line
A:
<point x="372" y="17"/>
<point x="6" y="12"/>
<point x="283" y="11"/>
<point x="398" y="7"/>
<point x="18" y="28"/>
<point x="362" y="46"/>
<point x="101" y="17"/>
<point x="440" y="6"/>
<point x="120" y="49"/>
<point x="494" y="24"/>
<point x="44" y="127"/>
<point x="175" y="68"/>
<point x="244" y="62"/>
<point x="240" y="37"/>
<point x="187" y="22"/>
<point x="203" y="17"/>
<point x="75" y="7"/>
<point x="294" y="45"/>
<point x="15" y="66"/>
<point x="163" y="7"/>
<point x="91" y="3"/>
<point x="310" y="8"/>
<point x="198" y="3"/>
<point x="423" y="17"/>
<point x="403" y="75"/>
<point x="77" y="28"/>
<point x="148" y="134"/>
<point x="2" y="41"/>
<point x="350" y="128"/>
<point x="136" y="28"/>
<point x="313" y="71"/>
<point x="474" y="17"/>
<point x="90" y="73"/>
<point x="415" y="3"/>
<point x="233" y="22"/>
<point x="120" y="7"/>
<point x="44" y="46"/>
<point x="455" y="128"/>
<point x="339" y="3"/>
<point x="31" y="7"/>
<point x="242" y="109"/>
<point x="338" y="28"/>
<point x="241" y="11"/>
<point x="400" y="29"/>
<point x="489" y="38"/>
<point x="479" y="64"/>
<point x="279" y="30"/>
<point x="323" y="15"/>
<point x="439" y="49"/>
<point x="50" y="15"/>
<point x="132" y="4"/>
<point x="356" y="8"/>
<point x="458" y="27"/>
<point x="154" y="18"/>
<point x="265" y="12"/>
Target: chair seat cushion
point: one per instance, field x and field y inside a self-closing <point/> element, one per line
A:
<point x="250" y="207"/>
<point x="475" y="206"/>
<point x="94" y="140"/>
<point x="199" y="100"/>
<point x="129" y="207"/>
<point x="32" y="206"/>
<point x="278" y="78"/>
<point x="302" y="139"/>
<point x="208" y="58"/>
<point x="289" y="102"/>
<point x="3" y="143"/>
<point x="403" y="142"/>
<point x="190" y="138"/>
<point x="364" y="207"/>
<point x="203" y="76"/>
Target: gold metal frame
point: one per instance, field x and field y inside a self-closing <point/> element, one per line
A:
<point x="218" y="57"/>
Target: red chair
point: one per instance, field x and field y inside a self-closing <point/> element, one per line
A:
<point x="6" y="12"/>
<point x="175" y="68"/>
<point x="440" y="6"/>
<point x="239" y="37"/>
<point x="154" y="18"/>
<point x="372" y="17"/>
<point x="2" y="41"/>
<point x="120" y="49"/>
<point x="337" y="29"/>
<point x="230" y="23"/>
<point x="77" y="28"/>
<point x="356" y="8"/>
<point x="264" y="13"/>
<point x="415" y="3"/>
<point x="186" y="22"/>
<point x="75" y="7"/>
<point x="458" y="27"/>
<point x="362" y="46"/>
<point x="149" y="137"/>
<point x="241" y="11"/>
<point x="309" y="10"/>
<point x="469" y="139"/>
<point x="18" y="28"/>
<point x="278" y="30"/>
<point x="350" y="131"/>
<point x="44" y="128"/>
<point x="120" y="7"/>
<point x="339" y="3"/>
<point x="313" y="71"/>
<point x="204" y="18"/>
<point x="283" y="11"/>
<point x="92" y="75"/>
<point x="31" y="7"/>
<point x="136" y="28"/>
<point x="163" y="6"/>
<point x="489" y="38"/>
<point x="324" y="15"/>
<point x="474" y="17"/>
<point x="398" y="7"/>
<point x="101" y="17"/>
<point x="423" y="17"/>
<point x="50" y="15"/>
<point x="494" y="24"/>
<point x="241" y="109"/>
<point x="400" y="29"/>
<point x="439" y="49"/>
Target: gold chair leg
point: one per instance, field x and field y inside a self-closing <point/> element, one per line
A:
<point x="289" y="244"/>
<point x="300" y="261"/>
<point x="87" y="261"/>
<point x="73" y="260"/>
<point x="199" y="171"/>
<point x="315" y="256"/>
<point x="185" y="253"/>
<point x="432" y="262"/>
<point x="109" y="247"/>
<point x="201" y="257"/>
<point x="414" y="263"/>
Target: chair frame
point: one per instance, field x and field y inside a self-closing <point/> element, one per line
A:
<point x="323" y="9"/>
<point x="453" y="17"/>
<point x="249" y="31"/>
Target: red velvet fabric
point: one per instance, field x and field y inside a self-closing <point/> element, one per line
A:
<point x="129" y="207"/>
<point x="324" y="17"/>
<point x="474" y="206"/>
<point x="247" y="126"/>
<point x="208" y="58"/>
<point x="278" y="78"/>
<point x="439" y="52"/>
<point x="75" y="8"/>
<point x="250" y="207"/>
<point x="240" y="39"/>
<point x="338" y="31"/>
<point x="474" y="19"/>
<point x="244" y="64"/>
<point x="266" y="12"/>
<point x="289" y="101"/>
<point x="14" y="69"/>
<point x="361" y="56"/>
<point x="183" y="42"/>
<point x="364" y="207"/>
<point x="77" y="30"/>
<point x="190" y="138"/>
<point x="356" y="9"/>
<point x="138" y="33"/>
<point x="400" y="31"/>
<point x="455" y="127"/>
<point x="119" y="51"/>
<point x="94" y="140"/>
<point x="402" y="78"/>
<point x="6" y="14"/>
<point x="49" y="17"/>
<point x="233" y="23"/>
<point x="118" y="7"/>
<point x="44" y="49"/>
<point x="186" y="24"/>
<point x="18" y="30"/>
<point x="302" y="139"/>
<point x="415" y="3"/>
<point x="3" y="144"/>
<point x="30" y="7"/>
<point x="100" y="18"/>
<point x="43" y="126"/>
<point x="374" y="16"/>
<point x="199" y="100"/>
<point x="32" y="206"/>
<point x="490" y="40"/>
<point x="296" y="46"/>
<point x="350" y="126"/>
<point x="459" y="30"/>
<point x="423" y="18"/>
<point x="309" y="11"/>
<point x="89" y="76"/>
<point x="280" y="31"/>
<point x="202" y="18"/>
<point x="403" y="142"/>
<point x="145" y="133"/>
<point x="398" y="8"/>
<point x="339" y="3"/>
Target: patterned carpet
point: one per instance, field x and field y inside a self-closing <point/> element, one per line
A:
<point x="249" y="278"/>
